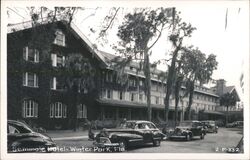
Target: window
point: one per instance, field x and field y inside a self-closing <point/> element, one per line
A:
<point x="30" y="109"/>
<point x="57" y="60"/>
<point x="109" y="77"/>
<point x="57" y="84"/>
<point x="60" y="38"/>
<point x="140" y="82"/>
<point x="58" y="110"/>
<point x="140" y="97"/>
<point x="109" y="94"/>
<point x="30" y="79"/>
<point x="132" y="82"/>
<point x="132" y="96"/>
<point x="81" y="111"/>
<point x="156" y="100"/>
<point x="31" y="55"/>
<point x="121" y="95"/>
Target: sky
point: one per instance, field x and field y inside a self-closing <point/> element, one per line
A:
<point x="230" y="44"/>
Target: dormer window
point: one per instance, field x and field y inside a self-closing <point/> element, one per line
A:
<point x="60" y="38"/>
<point x="30" y="54"/>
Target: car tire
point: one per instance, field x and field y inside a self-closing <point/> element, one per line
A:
<point x="156" y="143"/>
<point x="123" y="144"/>
<point x="202" y="135"/>
<point x="188" y="137"/>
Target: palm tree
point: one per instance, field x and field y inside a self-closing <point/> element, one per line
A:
<point x="228" y="99"/>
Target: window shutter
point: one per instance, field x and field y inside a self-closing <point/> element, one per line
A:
<point x="51" y="110"/>
<point x="64" y="111"/>
<point x="53" y="59"/>
<point x="84" y="108"/>
<point x="63" y="60"/>
<point x="36" y="109"/>
<point x="35" y="80"/>
<point x="36" y="55"/>
<point x="24" y="79"/>
<point x="78" y="110"/>
<point x="25" y="53"/>
<point x="23" y="109"/>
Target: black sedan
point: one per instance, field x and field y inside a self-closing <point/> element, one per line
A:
<point x="131" y="133"/>
<point x="187" y="130"/>
<point x="211" y="127"/>
<point x="21" y="138"/>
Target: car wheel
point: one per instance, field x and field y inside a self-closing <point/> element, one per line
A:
<point x="123" y="144"/>
<point x="188" y="137"/>
<point x="202" y="135"/>
<point x="156" y="143"/>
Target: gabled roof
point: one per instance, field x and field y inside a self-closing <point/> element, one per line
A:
<point x="72" y="27"/>
<point x="228" y="89"/>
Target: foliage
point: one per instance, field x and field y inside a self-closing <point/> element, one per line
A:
<point x="197" y="69"/>
<point x="181" y="30"/>
<point x="136" y="33"/>
<point x="228" y="99"/>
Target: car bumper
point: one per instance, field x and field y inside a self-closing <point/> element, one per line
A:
<point x="177" y="137"/>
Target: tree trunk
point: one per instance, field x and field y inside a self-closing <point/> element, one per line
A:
<point x="177" y="97"/>
<point x="148" y="84"/>
<point x="170" y="80"/>
<point x="227" y="116"/>
<point x="190" y="102"/>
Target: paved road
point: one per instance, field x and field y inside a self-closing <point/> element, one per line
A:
<point x="213" y="143"/>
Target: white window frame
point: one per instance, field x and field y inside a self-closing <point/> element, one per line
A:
<point x="56" y="38"/>
<point x="81" y="111"/>
<point x="25" y="80"/>
<point x="54" y="84"/>
<point x="58" y="110"/>
<point x="29" y="108"/>
<point x="26" y="54"/>
<point x="54" y="59"/>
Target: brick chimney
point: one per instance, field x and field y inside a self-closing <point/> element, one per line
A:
<point x="220" y="86"/>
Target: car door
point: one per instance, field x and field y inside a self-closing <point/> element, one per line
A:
<point x="196" y="128"/>
<point x="146" y="132"/>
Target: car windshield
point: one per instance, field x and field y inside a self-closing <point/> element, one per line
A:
<point x="127" y="125"/>
<point x="185" y="124"/>
<point x="18" y="128"/>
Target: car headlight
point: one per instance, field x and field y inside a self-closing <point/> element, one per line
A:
<point x="15" y="144"/>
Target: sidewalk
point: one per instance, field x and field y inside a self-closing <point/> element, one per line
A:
<point x="68" y="134"/>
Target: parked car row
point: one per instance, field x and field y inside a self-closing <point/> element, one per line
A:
<point x="21" y="138"/>
<point x="235" y="124"/>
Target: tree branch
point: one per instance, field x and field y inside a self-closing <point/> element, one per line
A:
<point x="157" y="37"/>
<point x="110" y="22"/>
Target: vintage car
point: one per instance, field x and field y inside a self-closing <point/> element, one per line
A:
<point x="21" y="138"/>
<point x="187" y="130"/>
<point x="130" y="133"/>
<point x="211" y="127"/>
